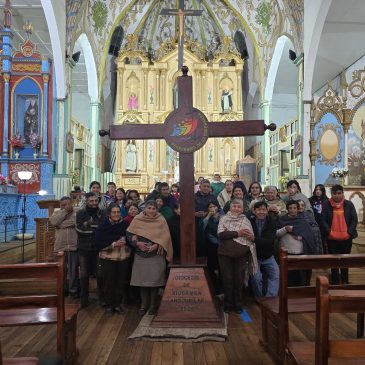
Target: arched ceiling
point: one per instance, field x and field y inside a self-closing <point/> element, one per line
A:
<point x="341" y="41"/>
<point x="207" y="30"/>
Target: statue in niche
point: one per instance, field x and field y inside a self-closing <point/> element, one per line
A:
<point x="131" y="156"/>
<point x="226" y="101"/>
<point x="30" y="119"/>
<point x="133" y="102"/>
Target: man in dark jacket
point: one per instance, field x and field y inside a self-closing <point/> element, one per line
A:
<point x="339" y="221"/>
<point x="87" y="220"/>
<point x="202" y="200"/>
<point x="265" y="281"/>
<point x="168" y="199"/>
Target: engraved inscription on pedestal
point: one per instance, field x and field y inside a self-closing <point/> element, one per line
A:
<point x="187" y="300"/>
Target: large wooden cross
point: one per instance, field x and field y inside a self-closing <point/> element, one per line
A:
<point x="186" y="130"/>
<point x="188" y="300"/>
<point x="181" y="13"/>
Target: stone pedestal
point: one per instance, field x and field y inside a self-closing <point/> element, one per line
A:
<point x="188" y="300"/>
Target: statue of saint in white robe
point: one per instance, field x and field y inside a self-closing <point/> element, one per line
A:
<point x="131" y="157"/>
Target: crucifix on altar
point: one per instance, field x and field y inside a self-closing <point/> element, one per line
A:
<point x="181" y="13"/>
<point x="187" y="299"/>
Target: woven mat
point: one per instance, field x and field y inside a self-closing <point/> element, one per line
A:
<point x="145" y="332"/>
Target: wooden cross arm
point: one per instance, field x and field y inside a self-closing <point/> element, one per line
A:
<point x="239" y="128"/>
<point x="181" y="11"/>
<point x="136" y="131"/>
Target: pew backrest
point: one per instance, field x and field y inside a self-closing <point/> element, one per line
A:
<point x="306" y="262"/>
<point x="336" y="301"/>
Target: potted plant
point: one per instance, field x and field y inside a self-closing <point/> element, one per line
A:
<point x="17" y="142"/>
<point x="35" y="142"/>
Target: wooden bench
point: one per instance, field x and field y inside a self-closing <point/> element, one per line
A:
<point x="325" y="351"/>
<point x="275" y="311"/>
<point x="38" y="309"/>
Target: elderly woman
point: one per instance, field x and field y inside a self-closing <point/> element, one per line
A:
<point x="149" y="234"/>
<point x="110" y="238"/>
<point x="225" y="195"/>
<point x="275" y="205"/>
<point x="236" y="254"/>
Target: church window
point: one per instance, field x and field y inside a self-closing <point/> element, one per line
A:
<point x="241" y="46"/>
<point x="116" y="41"/>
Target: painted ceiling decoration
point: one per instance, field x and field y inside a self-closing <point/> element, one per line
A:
<point x="261" y="21"/>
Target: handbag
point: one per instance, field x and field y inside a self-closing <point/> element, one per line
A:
<point x="233" y="249"/>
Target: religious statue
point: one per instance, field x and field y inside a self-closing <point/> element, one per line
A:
<point x="226" y="101"/>
<point x="31" y="119"/>
<point x="131" y="156"/>
<point x="133" y="102"/>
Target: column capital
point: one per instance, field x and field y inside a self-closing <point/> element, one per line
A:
<point x="6" y="76"/>
<point x="299" y="60"/>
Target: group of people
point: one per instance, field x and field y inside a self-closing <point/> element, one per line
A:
<point x="127" y="242"/>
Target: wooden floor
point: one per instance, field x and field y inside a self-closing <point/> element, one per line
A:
<point x="104" y="340"/>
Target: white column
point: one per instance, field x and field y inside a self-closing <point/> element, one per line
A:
<point x="305" y="163"/>
<point x="94" y="113"/>
<point x="215" y="91"/>
<point x="239" y="91"/>
<point x="45" y="116"/>
<point x="265" y="145"/>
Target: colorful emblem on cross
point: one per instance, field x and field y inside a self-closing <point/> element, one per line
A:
<point x="185" y="128"/>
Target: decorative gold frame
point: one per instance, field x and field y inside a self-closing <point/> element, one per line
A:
<point x="322" y="129"/>
<point x="329" y="102"/>
<point x="357" y="86"/>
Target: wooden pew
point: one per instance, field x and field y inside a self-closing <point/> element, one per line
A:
<point x="18" y="360"/>
<point x="325" y="351"/>
<point x="275" y="311"/>
<point x="38" y="309"/>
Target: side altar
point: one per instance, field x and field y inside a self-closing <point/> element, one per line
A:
<point x="26" y="94"/>
<point x="146" y="94"/>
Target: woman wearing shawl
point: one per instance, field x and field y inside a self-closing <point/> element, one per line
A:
<point x="236" y="248"/>
<point x="225" y="195"/>
<point x="149" y="234"/>
<point x="296" y="236"/>
<point x="114" y="259"/>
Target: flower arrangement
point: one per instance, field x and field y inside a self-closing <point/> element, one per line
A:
<point x="35" y="140"/>
<point x="339" y="172"/>
<point x="3" y="180"/>
<point x="284" y="180"/>
<point x="17" y="141"/>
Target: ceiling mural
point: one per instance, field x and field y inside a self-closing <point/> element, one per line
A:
<point x="261" y="21"/>
<point x="72" y="15"/>
<point x="294" y="11"/>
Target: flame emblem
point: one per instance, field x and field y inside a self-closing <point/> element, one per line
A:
<point x="185" y="128"/>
